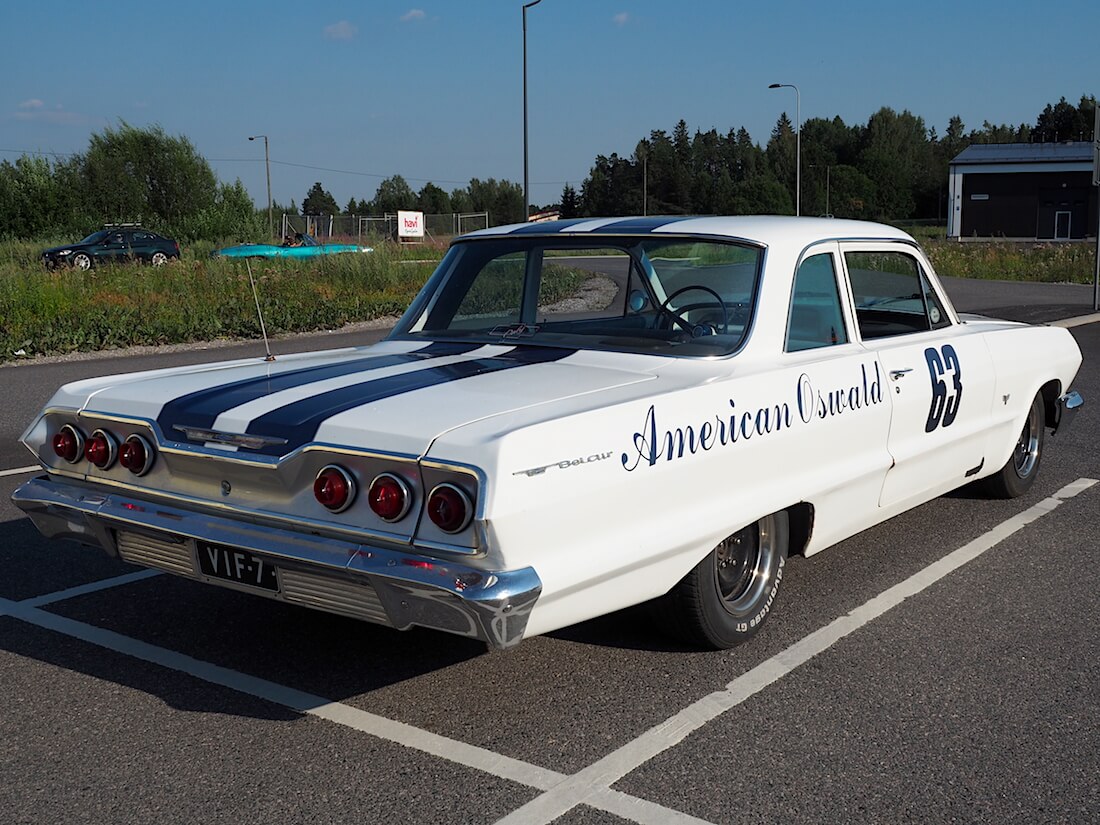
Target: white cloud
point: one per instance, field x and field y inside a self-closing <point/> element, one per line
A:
<point x="413" y="15"/>
<point x="341" y="31"/>
<point x="35" y="110"/>
<point x="621" y="19"/>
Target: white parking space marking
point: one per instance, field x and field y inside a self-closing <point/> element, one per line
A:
<point x="19" y="471"/>
<point x="583" y="787"/>
<point x="498" y="765"/>
<point x="399" y="732"/>
<point x="92" y="587"/>
<point x="592" y="785"/>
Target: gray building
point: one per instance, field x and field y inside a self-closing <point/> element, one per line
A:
<point x="1023" y="191"/>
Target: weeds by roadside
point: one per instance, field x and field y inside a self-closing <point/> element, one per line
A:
<point x="194" y="299"/>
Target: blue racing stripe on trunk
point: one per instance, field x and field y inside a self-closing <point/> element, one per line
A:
<point x="201" y="408"/>
<point x="298" y="422"/>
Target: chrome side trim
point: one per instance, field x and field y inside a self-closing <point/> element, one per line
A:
<point x="367" y="581"/>
<point x="1066" y="408"/>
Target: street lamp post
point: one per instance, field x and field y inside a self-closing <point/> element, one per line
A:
<point x="798" y="144"/>
<point x="526" y="189"/>
<point x="267" y="165"/>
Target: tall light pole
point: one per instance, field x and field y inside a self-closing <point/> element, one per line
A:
<point x="526" y="190"/>
<point x="798" y="144"/>
<point x="267" y="164"/>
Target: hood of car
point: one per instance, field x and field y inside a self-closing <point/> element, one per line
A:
<point x="53" y="250"/>
<point x="395" y="397"/>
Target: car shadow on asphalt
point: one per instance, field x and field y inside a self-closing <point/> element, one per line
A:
<point x="332" y="657"/>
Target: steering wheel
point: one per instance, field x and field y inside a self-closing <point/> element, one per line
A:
<point x="696" y="330"/>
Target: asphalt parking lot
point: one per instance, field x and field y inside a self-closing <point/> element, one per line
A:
<point x="941" y="667"/>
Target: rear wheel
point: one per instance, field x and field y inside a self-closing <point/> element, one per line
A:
<point x="729" y="594"/>
<point x="158" y="259"/>
<point x="1018" y="474"/>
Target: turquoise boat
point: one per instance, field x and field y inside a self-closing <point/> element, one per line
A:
<point x="299" y="245"/>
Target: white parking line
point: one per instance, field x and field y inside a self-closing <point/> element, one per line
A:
<point x="498" y="765"/>
<point x="19" y="471"/>
<point x="92" y="587"/>
<point x="561" y="793"/>
<point x="581" y="787"/>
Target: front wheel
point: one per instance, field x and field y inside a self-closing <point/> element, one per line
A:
<point x="1016" y="477"/>
<point x="82" y="260"/>
<point x="725" y="599"/>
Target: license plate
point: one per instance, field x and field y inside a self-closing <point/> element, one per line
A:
<point x="232" y="564"/>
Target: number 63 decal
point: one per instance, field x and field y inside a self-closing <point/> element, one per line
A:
<point x="945" y="400"/>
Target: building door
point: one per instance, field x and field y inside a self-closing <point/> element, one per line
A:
<point x="1062" y="225"/>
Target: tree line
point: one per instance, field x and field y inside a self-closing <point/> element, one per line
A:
<point x="892" y="168"/>
<point x="126" y="174"/>
<point x="502" y="199"/>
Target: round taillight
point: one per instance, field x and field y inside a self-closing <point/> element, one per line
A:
<point x="334" y="488"/>
<point x="101" y="449"/>
<point x="136" y="455"/>
<point x="68" y="443"/>
<point x="449" y="508"/>
<point x="389" y="497"/>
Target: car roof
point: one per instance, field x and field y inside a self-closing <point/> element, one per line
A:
<point x="767" y="230"/>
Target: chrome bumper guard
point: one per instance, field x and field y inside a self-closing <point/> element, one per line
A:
<point x="1066" y="409"/>
<point x="385" y="586"/>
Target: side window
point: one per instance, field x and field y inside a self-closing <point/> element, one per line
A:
<point x="495" y="294"/>
<point x="892" y="295"/>
<point x="815" y="317"/>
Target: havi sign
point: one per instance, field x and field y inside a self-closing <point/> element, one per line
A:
<point x="410" y="224"/>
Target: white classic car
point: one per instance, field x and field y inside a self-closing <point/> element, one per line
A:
<point x="571" y="418"/>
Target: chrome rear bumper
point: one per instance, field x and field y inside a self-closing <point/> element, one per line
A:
<point x="377" y="584"/>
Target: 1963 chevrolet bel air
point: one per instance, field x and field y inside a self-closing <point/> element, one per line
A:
<point x="571" y="418"/>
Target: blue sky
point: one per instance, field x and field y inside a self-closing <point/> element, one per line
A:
<point x="432" y="89"/>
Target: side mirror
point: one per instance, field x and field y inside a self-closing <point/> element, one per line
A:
<point x="637" y="301"/>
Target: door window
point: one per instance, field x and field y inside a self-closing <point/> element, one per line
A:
<point x="815" y="316"/>
<point x="893" y="296"/>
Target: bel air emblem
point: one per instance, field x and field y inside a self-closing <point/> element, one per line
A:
<point x="249" y="442"/>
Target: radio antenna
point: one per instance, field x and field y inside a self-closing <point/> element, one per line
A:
<point x="259" y="312"/>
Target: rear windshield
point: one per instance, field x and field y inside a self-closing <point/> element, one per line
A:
<point x="676" y="296"/>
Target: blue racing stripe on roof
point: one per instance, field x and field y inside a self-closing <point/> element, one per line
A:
<point x="632" y="226"/>
<point x="298" y="422"/>
<point x="199" y="409"/>
<point x="548" y="227"/>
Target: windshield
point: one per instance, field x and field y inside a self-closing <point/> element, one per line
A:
<point x="676" y="296"/>
<point x="96" y="237"/>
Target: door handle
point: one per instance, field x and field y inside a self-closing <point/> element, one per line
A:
<point x="896" y="374"/>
